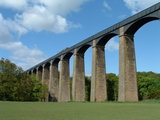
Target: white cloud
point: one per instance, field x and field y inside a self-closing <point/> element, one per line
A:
<point x="112" y="45"/>
<point x="4" y="34"/>
<point x="22" y="55"/>
<point x="14" y="4"/>
<point x="7" y="27"/>
<point x="39" y="18"/>
<point x="106" y="5"/>
<point x="43" y="15"/>
<point x="62" y="7"/>
<point x="33" y="15"/>
<point x="138" y="5"/>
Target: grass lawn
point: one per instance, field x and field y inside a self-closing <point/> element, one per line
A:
<point x="79" y="111"/>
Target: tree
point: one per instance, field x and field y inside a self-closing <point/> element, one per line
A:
<point x="27" y="88"/>
<point x="16" y="85"/>
<point x="112" y="86"/>
<point x="44" y="95"/>
<point x="148" y="85"/>
<point x="8" y="73"/>
<point x="87" y="88"/>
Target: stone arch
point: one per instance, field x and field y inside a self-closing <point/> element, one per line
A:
<point x="54" y="80"/>
<point x="34" y="71"/>
<point x="78" y="81"/>
<point x="47" y="64"/>
<point x="102" y="41"/>
<point x="56" y="60"/>
<point x="134" y="27"/>
<point x="83" y="49"/>
<point x="100" y="47"/>
<point x="67" y="55"/>
<point x="29" y="72"/>
<point x="127" y="64"/>
<point x="39" y="67"/>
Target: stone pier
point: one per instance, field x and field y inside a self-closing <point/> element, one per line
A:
<point x="98" y="81"/>
<point x="78" y="82"/>
<point x="53" y="81"/>
<point x="127" y="68"/>
<point x="127" y="62"/>
<point x="39" y="74"/>
<point x="64" y="81"/>
<point x="32" y="72"/>
<point x="45" y="79"/>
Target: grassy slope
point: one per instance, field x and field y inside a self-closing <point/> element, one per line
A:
<point x="79" y="111"/>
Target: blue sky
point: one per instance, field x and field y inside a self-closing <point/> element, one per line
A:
<point x="32" y="31"/>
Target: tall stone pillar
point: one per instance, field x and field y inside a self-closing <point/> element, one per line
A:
<point x="45" y="80"/>
<point x="53" y="81"/>
<point x="64" y="81"/>
<point x="32" y="72"/>
<point x="27" y="72"/>
<point x="98" y="81"/>
<point x="127" y="68"/>
<point x="38" y="74"/>
<point x="78" y="82"/>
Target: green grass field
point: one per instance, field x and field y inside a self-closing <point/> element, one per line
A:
<point x="79" y="111"/>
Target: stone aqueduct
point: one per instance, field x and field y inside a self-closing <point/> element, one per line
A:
<point x="58" y="82"/>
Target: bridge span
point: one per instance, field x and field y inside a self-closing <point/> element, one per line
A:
<point x="58" y="82"/>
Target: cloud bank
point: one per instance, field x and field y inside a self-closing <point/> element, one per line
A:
<point x="37" y="16"/>
<point x="20" y="54"/>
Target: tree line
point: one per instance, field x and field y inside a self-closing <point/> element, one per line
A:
<point x="16" y="85"/>
<point x="148" y="86"/>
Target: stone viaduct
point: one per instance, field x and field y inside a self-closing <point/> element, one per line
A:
<point x="58" y="82"/>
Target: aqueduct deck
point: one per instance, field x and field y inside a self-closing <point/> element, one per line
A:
<point x="58" y="84"/>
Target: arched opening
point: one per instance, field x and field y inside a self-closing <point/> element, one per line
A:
<point x="34" y="71"/>
<point x="79" y="91"/>
<point x="103" y="41"/>
<point x="111" y="43"/>
<point x="86" y="51"/>
<point x="138" y="24"/>
<point x="54" y="80"/>
<point x="71" y="64"/>
<point x="147" y="59"/>
<point x="66" y="76"/>
<point x="88" y="61"/>
<point x="146" y="38"/>
<point x="29" y="72"/>
<point x="69" y="56"/>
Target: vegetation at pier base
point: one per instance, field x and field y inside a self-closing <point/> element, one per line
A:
<point x="148" y="86"/>
<point x="87" y="88"/>
<point x="112" y="86"/>
<point x="15" y="85"/>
